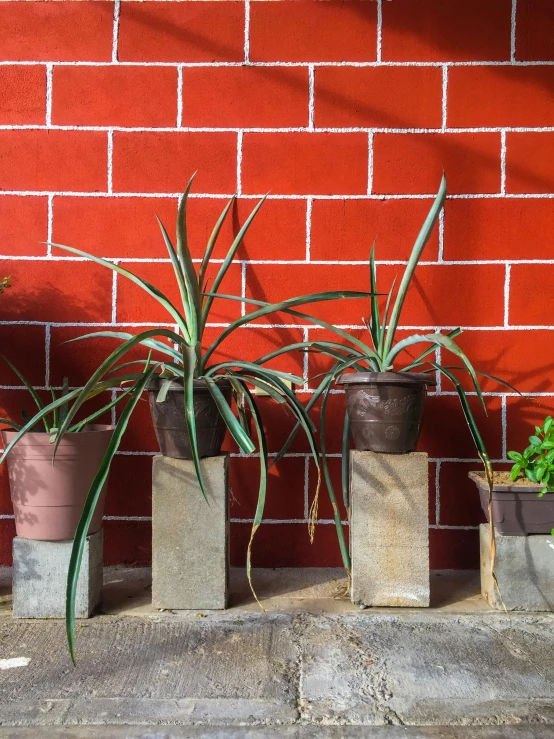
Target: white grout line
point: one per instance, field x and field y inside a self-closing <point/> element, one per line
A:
<point x="440" y="256"/>
<point x="507" y="277"/>
<point x="379" y="49"/>
<point x="239" y="162"/>
<point x="311" y="97"/>
<point x="513" y="32"/>
<point x="309" y="203"/>
<point x="114" y="296"/>
<point x="179" y="96"/>
<point x="48" y="121"/>
<point x="50" y="225"/>
<point x="47" y="339"/>
<point x="370" y="142"/>
<point x="444" y="95"/>
<point x="110" y="162"/>
<point x="437" y="493"/>
<point x="306" y="487"/>
<point x="503" y="162"/>
<point x="450" y="62"/>
<point x="246" y="31"/>
<point x="504" y="412"/>
<point x="115" y="34"/>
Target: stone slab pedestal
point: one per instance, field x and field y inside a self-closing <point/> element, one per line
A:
<point x="190" y="539"/>
<point x="40" y="577"/>
<point x="389" y="529"/>
<point x="524" y="569"/>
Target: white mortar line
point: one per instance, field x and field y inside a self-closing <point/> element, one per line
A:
<point x="306" y="487"/>
<point x="379" y="49"/>
<point x="503" y="162"/>
<point x="179" y="96"/>
<point x="239" y="162"/>
<point x="444" y="95"/>
<point x="507" y="277"/>
<point x="440" y="256"/>
<point x="47" y="338"/>
<point x="110" y="162"/>
<point x="437" y="493"/>
<point x="50" y="225"/>
<point x="308" y="229"/>
<point x="370" y="140"/>
<point x="48" y="118"/>
<point x="114" y="296"/>
<point x="450" y="62"/>
<point x="513" y="32"/>
<point x="311" y="97"/>
<point x="247" y="31"/>
<point x="115" y="33"/>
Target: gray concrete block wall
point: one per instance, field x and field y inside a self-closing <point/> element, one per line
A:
<point x="190" y="537"/>
<point x="40" y="577"/>
<point x="389" y="529"/>
<point x="524" y="569"/>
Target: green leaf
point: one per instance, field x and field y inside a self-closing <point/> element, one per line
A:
<point x="90" y="506"/>
<point x="548" y="424"/>
<point x="93" y="416"/>
<point x="12" y="424"/>
<point x="189" y="362"/>
<point x="31" y="389"/>
<point x="516" y="456"/>
<point x="421" y="241"/>
<point x="531" y="475"/>
<point x="535" y="441"/>
<point x="418" y="360"/>
<point x="212" y="241"/>
<point x="514" y="473"/>
<point x="185" y="259"/>
<point x="158" y="346"/>
<point x="236" y="430"/>
<point x="146" y="286"/>
<point x="227" y="262"/>
<point x="294" y="379"/>
<point x="375" y="325"/>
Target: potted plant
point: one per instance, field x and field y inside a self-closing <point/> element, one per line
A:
<point x="186" y="379"/>
<point x="384" y="405"/>
<point x="521" y="503"/>
<point x="48" y="498"/>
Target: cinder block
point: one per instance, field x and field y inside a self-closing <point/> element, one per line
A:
<point x="389" y="529"/>
<point x="190" y="537"/>
<point x="40" y="577"/>
<point x="523" y="567"/>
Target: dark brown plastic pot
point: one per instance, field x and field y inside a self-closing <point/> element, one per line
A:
<point x="48" y="498"/>
<point x="517" y="510"/>
<point x="385" y="409"/>
<point x="168" y="418"/>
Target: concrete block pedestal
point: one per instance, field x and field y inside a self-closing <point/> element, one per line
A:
<point x="389" y="529"/>
<point x="40" y="577"/>
<point x="524" y="567"/>
<point x="190" y="537"/>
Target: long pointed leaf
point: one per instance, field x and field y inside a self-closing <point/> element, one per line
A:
<point x="227" y="262"/>
<point x="212" y="241"/>
<point x="90" y="506"/>
<point x="158" y="346"/>
<point x="30" y="388"/>
<point x="185" y="258"/>
<point x="146" y="286"/>
<point x="375" y="325"/>
<point x="236" y="430"/>
<point x="422" y="239"/>
<point x="186" y="298"/>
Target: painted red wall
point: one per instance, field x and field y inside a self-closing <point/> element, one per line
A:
<point x="347" y="112"/>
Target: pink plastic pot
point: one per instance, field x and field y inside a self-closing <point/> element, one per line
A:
<point x="48" y="498"/>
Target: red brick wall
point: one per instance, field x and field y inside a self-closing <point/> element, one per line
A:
<point x="347" y="112"/>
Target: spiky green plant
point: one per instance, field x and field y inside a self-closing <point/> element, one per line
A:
<point x="186" y="361"/>
<point x="380" y="355"/>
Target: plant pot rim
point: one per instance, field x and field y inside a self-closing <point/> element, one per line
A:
<point x="385" y="378"/>
<point x="39" y="437"/>
<point x="480" y="480"/>
<point x="177" y="386"/>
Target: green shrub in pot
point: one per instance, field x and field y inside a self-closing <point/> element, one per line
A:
<point x="187" y="364"/>
<point x="385" y="405"/>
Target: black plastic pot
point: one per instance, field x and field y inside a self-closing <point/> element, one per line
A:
<point x="517" y="510"/>
<point x="385" y="409"/>
<point x="168" y="418"/>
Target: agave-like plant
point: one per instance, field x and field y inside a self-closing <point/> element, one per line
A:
<point x="380" y="355"/>
<point x="185" y="361"/>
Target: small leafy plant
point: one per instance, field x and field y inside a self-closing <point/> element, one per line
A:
<point x="537" y="460"/>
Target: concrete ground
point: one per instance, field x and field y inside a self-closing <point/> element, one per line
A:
<point x="311" y="666"/>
